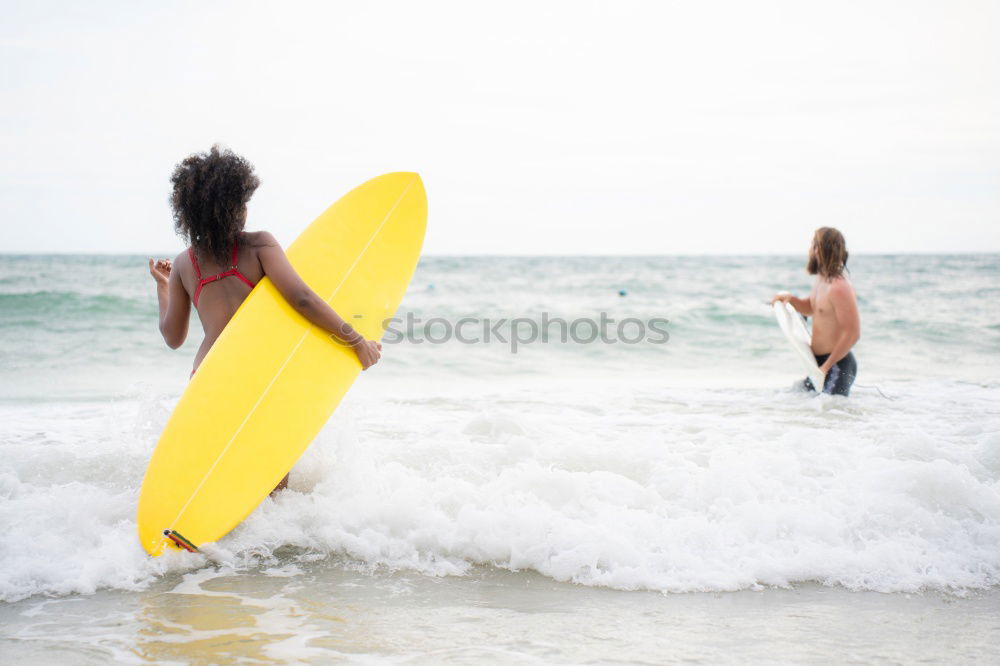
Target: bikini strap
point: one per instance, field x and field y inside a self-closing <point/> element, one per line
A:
<point x="194" y="262"/>
<point x="232" y="270"/>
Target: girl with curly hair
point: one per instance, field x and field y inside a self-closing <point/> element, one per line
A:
<point x="223" y="262"/>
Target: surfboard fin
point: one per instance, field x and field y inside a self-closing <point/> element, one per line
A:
<point x="180" y="541"/>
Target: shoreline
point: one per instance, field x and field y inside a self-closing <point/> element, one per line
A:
<point x="325" y="612"/>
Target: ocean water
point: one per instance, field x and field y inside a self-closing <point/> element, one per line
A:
<point x="668" y="497"/>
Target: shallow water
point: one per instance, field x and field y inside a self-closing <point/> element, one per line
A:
<point x="326" y="612"/>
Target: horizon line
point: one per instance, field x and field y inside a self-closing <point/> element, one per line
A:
<point x="926" y="253"/>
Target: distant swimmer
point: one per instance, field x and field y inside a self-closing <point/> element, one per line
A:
<point x="834" y="308"/>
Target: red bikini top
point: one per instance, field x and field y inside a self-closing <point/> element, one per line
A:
<point x="218" y="276"/>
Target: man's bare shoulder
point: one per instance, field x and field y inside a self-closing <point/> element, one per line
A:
<point x="841" y="287"/>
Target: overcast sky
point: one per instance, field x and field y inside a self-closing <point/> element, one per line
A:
<point x="538" y="127"/>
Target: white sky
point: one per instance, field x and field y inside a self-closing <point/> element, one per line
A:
<point x="538" y="127"/>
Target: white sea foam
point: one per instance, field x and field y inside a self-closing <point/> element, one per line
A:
<point x="625" y="487"/>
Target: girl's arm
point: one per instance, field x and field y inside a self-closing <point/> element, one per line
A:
<point x="175" y="306"/>
<point x="308" y="304"/>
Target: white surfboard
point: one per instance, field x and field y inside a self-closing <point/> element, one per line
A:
<point x="799" y="337"/>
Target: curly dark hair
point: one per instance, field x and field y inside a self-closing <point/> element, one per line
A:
<point x="210" y="192"/>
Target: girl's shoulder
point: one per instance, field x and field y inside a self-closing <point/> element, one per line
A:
<point x="258" y="239"/>
<point x="183" y="261"/>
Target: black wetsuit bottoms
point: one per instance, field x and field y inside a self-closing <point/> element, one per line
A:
<point x="841" y="376"/>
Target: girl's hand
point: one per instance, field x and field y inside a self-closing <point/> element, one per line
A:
<point x="369" y="352"/>
<point x="160" y="270"/>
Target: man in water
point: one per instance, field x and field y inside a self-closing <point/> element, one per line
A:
<point x="834" y="308"/>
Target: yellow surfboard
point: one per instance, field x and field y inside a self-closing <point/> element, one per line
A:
<point x="272" y="379"/>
